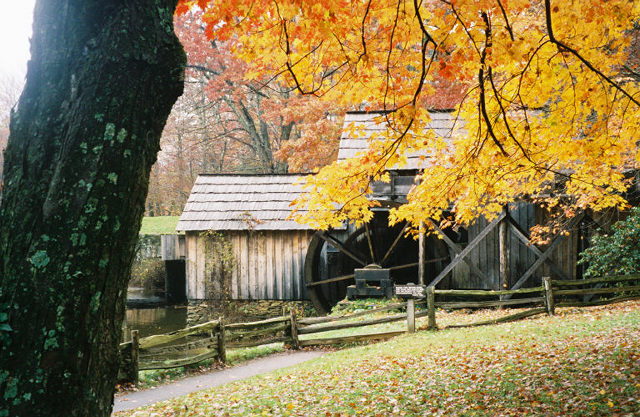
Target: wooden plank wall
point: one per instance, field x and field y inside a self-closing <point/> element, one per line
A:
<point x="267" y="265"/>
<point x="196" y="286"/>
<point x="172" y="247"/>
<point x="521" y="257"/>
<point x="564" y="256"/>
<point x="486" y="254"/>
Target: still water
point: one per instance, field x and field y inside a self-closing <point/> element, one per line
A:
<point x="150" y="321"/>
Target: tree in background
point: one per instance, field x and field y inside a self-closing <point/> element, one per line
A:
<point x="102" y="79"/>
<point x="232" y="121"/>
<point x="545" y="112"/>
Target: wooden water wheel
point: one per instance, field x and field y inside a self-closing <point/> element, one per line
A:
<point x="333" y="256"/>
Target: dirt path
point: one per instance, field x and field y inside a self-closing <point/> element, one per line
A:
<point x="196" y="383"/>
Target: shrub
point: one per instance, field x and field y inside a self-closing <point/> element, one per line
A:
<point x="615" y="253"/>
<point x="148" y="273"/>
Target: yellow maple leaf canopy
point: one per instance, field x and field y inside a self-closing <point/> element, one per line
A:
<point x="543" y="96"/>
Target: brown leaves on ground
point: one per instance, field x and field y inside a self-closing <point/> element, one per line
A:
<point x="583" y="362"/>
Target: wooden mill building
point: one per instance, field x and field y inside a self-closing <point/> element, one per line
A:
<point x="272" y="257"/>
<point x="240" y="243"/>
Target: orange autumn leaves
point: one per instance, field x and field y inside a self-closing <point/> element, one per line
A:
<point x="538" y="95"/>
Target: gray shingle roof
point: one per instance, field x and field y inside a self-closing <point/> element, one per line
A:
<point x="365" y="126"/>
<point x="241" y="202"/>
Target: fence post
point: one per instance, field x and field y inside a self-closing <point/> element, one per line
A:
<point x="135" y="349"/>
<point x="295" y="344"/>
<point x="431" y="308"/>
<point x="222" y="350"/>
<point x="548" y="294"/>
<point x="411" y="316"/>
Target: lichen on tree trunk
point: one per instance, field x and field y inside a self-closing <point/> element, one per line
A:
<point x="102" y="79"/>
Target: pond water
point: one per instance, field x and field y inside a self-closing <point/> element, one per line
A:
<point x="150" y="321"/>
<point x="154" y="317"/>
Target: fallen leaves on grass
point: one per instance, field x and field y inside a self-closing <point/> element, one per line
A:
<point x="583" y="362"/>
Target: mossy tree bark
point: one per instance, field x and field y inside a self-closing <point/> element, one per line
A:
<point x="102" y="79"/>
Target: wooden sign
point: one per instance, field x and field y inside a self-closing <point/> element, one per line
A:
<point x="410" y="291"/>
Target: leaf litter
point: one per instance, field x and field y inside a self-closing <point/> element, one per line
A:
<point x="582" y="362"/>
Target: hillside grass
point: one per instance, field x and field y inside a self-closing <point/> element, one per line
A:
<point x="582" y="362"/>
<point x="160" y="225"/>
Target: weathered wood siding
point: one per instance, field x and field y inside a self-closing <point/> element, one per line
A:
<point x="487" y="254"/>
<point x="173" y="247"/>
<point x="196" y="286"/>
<point x="264" y="265"/>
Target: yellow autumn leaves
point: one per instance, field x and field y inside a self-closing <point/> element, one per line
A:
<point x="544" y="110"/>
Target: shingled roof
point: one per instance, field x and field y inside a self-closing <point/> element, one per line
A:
<point x="241" y="202"/>
<point x="363" y="125"/>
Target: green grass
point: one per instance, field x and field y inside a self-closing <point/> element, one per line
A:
<point x="156" y="377"/>
<point x="161" y="225"/>
<point x="582" y="362"/>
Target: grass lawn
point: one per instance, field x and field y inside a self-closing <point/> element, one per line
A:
<point x="160" y="225"/>
<point x="153" y="378"/>
<point x="582" y="362"/>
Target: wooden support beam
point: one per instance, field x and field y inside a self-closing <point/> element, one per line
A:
<point x="505" y="273"/>
<point x="466" y="251"/>
<point x="517" y="231"/>
<point x="547" y="253"/>
<point x="456" y="249"/>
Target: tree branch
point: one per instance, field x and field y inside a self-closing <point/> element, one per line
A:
<point x="564" y="47"/>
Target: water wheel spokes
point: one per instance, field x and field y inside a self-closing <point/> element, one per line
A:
<point x="338" y="245"/>
<point x="394" y="244"/>
<point x="329" y="280"/>
<point x="332" y="258"/>
<point x="371" y="250"/>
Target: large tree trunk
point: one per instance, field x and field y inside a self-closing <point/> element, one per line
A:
<point x="101" y="82"/>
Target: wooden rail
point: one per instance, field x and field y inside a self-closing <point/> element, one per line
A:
<point x="326" y="328"/>
<point x="351" y="339"/>
<point x="210" y="340"/>
<point x="489" y="293"/>
<point x="328" y="319"/>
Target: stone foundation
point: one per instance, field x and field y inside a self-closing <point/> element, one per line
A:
<point x="244" y="310"/>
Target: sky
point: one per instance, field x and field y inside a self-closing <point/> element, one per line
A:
<point x="15" y="31"/>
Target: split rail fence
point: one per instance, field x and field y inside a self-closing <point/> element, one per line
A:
<point x="210" y="340"/>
